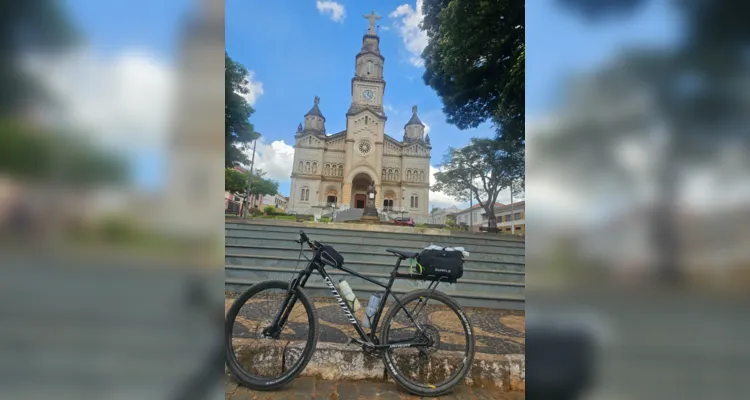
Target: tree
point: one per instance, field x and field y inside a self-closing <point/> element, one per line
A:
<point x="32" y="26"/>
<point x="235" y="182"/>
<point x="480" y="170"/>
<point x="694" y="124"/>
<point x="475" y="61"/>
<point x="237" y="127"/>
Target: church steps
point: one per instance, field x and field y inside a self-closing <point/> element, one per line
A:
<point x="400" y="241"/>
<point x="363" y="291"/>
<point x="286" y="274"/>
<point x="454" y="238"/>
<point x="363" y="267"/>
<point x="367" y="256"/>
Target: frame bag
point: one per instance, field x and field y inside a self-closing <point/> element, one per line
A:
<point x="441" y="265"/>
<point x="329" y="256"/>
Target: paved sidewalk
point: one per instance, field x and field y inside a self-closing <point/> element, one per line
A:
<point x="316" y="389"/>
<point x="496" y="331"/>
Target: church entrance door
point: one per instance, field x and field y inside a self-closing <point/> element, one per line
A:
<point x="360" y="200"/>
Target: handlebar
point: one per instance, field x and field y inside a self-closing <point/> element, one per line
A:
<point x="304" y="239"/>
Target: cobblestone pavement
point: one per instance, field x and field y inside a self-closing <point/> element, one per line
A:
<point x="316" y="389"/>
<point x="496" y="331"/>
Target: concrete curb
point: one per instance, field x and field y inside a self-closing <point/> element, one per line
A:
<point x="333" y="361"/>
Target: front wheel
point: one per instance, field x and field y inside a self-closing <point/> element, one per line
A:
<point x="261" y="360"/>
<point x="435" y="369"/>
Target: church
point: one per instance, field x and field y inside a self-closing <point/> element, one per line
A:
<point x="337" y="168"/>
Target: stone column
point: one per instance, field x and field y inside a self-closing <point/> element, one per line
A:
<point x="347" y="194"/>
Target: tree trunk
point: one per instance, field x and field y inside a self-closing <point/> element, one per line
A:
<point x="491" y="219"/>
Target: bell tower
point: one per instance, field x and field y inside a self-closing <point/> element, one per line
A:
<point x="368" y="85"/>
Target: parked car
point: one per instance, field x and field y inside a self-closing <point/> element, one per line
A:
<point x="406" y="221"/>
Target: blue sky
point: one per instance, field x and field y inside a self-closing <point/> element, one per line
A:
<point x="297" y="52"/>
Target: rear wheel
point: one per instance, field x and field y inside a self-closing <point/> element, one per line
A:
<point x="261" y="362"/>
<point x="435" y="369"/>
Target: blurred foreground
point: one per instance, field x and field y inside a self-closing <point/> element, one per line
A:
<point x="639" y="202"/>
<point x="110" y="239"/>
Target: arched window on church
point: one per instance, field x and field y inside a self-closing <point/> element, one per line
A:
<point x="327" y="169"/>
<point x="408" y="175"/>
<point x="341" y="170"/>
<point x="383" y="176"/>
<point x="315" y="168"/>
<point x="396" y="175"/>
<point x="421" y="176"/>
<point x="369" y="67"/>
<point x="307" y="167"/>
<point x="305" y="195"/>
<point x="414" y="201"/>
<point x="390" y="174"/>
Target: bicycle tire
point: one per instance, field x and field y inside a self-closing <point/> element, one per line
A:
<point x="469" y="333"/>
<point x="232" y="363"/>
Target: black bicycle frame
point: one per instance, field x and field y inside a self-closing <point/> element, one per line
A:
<point x="315" y="264"/>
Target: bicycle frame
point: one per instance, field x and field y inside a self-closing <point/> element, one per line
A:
<point x="365" y="340"/>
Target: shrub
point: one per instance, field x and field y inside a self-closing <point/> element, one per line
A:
<point x="254" y="211"/>
<point x="269" y="210"/>
<point x="325" y="219"/>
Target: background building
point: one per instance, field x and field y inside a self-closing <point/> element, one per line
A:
<point x="511" y="218"/>
<point x="441" y="215"/>
<point x="338" y="168"/>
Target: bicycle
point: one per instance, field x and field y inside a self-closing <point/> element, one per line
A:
<point x="404" y="368"/>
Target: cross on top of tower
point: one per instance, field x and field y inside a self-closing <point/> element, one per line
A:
<point x="372" y="17"/>
<point x="317" y="100"/>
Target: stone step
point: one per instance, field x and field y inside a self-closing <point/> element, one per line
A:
<point x="454" y="238"/>
<point x="356" y="254"/>
<point x="363" y="292"/>
<point x="364" y="239"/>
<point x="285" y="274"/>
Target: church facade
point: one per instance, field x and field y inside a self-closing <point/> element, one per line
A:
<point x="337" y="168"/>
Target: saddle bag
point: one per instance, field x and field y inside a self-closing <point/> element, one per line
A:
<point x="443" y="265"/>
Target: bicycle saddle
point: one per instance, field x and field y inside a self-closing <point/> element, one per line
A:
<point x="402" y="254"/>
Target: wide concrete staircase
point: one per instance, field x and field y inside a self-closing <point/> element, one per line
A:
<point x="493" y="274"/>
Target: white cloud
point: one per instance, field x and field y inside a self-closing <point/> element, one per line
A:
<point x="276" y="159"/>
<point x="254" y="87"/>
<point x="407" y="21"/>
<point x="426" y="128"/>
<point x="335" y="10"/>
<point x="440" y="199"/>
<point x="123" y="102"/>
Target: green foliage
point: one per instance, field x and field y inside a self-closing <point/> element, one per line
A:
<point x="481" y="170"/>
<point x="254" y="211"/>
<point x="235" y="182"/>
<point x="32" y="153"/>
<point x="475" y="61"/>
<point x="269" y="210"/>
<point x="30" y="27"/>
<point x="238" y="130"/>
<point x="325" y="219"/>
<point x="262" y="186"/>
